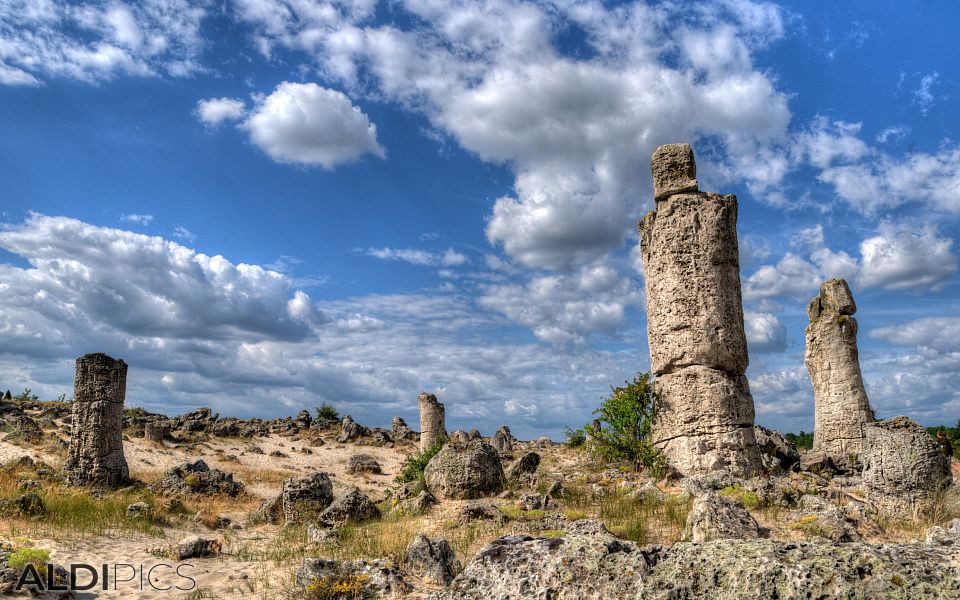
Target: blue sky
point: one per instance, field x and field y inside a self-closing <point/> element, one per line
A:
<point x="263" y="205"/>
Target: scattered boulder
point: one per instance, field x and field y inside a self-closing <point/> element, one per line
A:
<point x="502" y="441"/>
<point x="480" y="511"/>
<point x="525" y="465"/>
<point x="534" y="501"/>
<point x="460" y="437"/>
<point x="903" y="467"/>
<point x="432" y="560"/>
<point x="269" y="511"/>
<point x="715" y="517"/>
<point x="363" y="463"/>
<point x="25" y="505"/>
<point x="196" y="546"/>
<point x="303" y="420"/>
<point x="588" y="563"/>
<point x="351" y="506"/>
<point x="399" y="430"/>
<point x="379" y="578"/>
<point x="138" y="509"/>
<point x="198" y="478"/>
<point x="818" y="462"/>
<point x="156" y="432"/>
<point x="465" y="471"/>
<point x="776" y="451"/>
<point x="948" y="535"/>
<point x="304" y="498"/>
<point x="380" y="437"/>
<point x="474" y="434"/>
<point x="350" y="430"/>
<point x="410" y="499"/>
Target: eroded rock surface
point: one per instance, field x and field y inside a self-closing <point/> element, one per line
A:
<point x="903" y="467"/>
<point x="587" y="562"/>
<point x="96" y="441"/>
<point x="715" y="517"/>
<point x="465" y="471"/>
<point x="698" y="348"/>
<point x="304" y="498"/>
<point x="841" y="406"/>
<point x="432" y="421"/>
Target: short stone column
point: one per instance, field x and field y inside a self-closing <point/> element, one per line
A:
<point x="432" y="421"/>
<point x="841" y="408"/>
<point x="96" y="442"/>
<point x="156" y="432"/>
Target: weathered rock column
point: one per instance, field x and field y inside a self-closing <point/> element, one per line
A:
<point x="96" y="442"/>
<point x="698" y="348"/>
<point x="432" y="421"/>
<point x="841" y="406"/>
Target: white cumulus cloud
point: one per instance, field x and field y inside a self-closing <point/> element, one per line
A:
<point x="307" y="124"/>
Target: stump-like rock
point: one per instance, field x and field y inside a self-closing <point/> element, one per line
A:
<point x="351" y="506"/>
<point x="432" y="560"/>
<point x="304" y="498"/>
<point x="399" y="430"/>
<point x="363" y="463"/>
<point x="903" y="467"/>
<point x="156" y="432"/>
<point x="465" y="471"/>
<point x="95" y="454"/>
<point x="715" y="517"/>
<point x="841" y="408"/>
<point x="432" y="421"/>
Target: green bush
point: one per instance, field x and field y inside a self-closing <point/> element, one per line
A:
<point x="575" y="437"/>
<point x="412" y="468"/>
<point x="327" y="412"/>
<point x="626" y="418"/>
<point x="800" y="440"/>
<point x="26" y="396"/>
<point x="28" y="556"/>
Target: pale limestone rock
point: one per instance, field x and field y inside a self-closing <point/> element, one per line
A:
<point x="841" y="406"/>
<point x="903" y="467"/>
<point x="96" y="442"/>
<point x="432" y="421"/>
<point x="698" y="347"/>
<point x="674" y="170"/>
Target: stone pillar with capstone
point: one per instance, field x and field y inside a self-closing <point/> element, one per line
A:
<point x="698" y="347"/>
<point x="95" y="454"/>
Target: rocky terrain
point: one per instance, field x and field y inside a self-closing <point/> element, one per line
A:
<point x="270" y="508"/>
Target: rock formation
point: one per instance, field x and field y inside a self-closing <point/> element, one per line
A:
<point x="465" y="471"/>
<point x="902" y="467"/>
<point x="96" y="440"/>
<point x="156" y="432"/>
<point x="841" y="406"/>
<point x="432" y="421"/>
<point x="698" y="348"/>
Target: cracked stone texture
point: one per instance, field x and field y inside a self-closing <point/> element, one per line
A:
<point x="698" y="347"/>
<point x="96" y="441"/>
<point x="674" y="170"/>
<point x="903" y="467"/>
<point x="841" y="405"/>
<point x="465" y="471"/>
<point x="589" y="563"/>
<point x="432" y="417"/>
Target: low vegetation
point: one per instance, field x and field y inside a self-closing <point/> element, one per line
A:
<point x="625" y="422"/>
<point x="412" y="468"/>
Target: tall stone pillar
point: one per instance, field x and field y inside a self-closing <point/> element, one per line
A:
<point x="432" y="421"/>
<point x="841" y="405"/>
<point x="698" y="348"/>
<point x="96" y="442"/>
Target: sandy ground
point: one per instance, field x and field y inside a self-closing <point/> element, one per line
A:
<point x="231" y="575"/>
